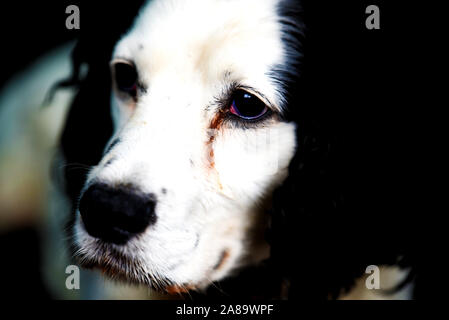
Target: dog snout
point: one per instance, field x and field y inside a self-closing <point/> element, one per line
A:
<point x="116" y="214"/>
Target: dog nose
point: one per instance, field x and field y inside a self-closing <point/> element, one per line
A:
<point x="116" y="214"/>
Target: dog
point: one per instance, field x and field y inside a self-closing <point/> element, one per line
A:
<point x="208" y="170"/>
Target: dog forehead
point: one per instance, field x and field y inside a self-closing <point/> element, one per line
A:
<point x="206" y="38"/>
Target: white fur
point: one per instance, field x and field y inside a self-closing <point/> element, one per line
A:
<point x="186" y="53"/>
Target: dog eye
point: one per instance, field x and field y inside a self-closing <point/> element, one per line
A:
<point x="125" y="77"/>
<point x="247" y="106"/>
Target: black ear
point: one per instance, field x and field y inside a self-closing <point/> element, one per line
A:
<point x="86" y="132"/>
<point x="89" y="125"/>
<point x="336" y="213"/>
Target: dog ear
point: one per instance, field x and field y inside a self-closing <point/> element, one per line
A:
<point x="328" y="219"/>
<point x="89" y="125"/>
<point x="305" y="209"/>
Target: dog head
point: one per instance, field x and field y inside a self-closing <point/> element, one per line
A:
<point x="199" y="144"/>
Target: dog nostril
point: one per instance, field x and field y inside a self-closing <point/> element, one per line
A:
<point x="116" y="214"/>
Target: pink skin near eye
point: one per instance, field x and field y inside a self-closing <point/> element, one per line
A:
<point x="233" y="109"/>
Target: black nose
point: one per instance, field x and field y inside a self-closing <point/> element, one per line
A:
<point x="116" y="214"/>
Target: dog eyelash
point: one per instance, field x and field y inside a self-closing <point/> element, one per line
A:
<point x="225" y="102"/>
<point x="239" y="123"/>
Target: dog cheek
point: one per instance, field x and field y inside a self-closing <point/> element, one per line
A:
<point x="287" y="144"/>
<point x="246" y="161"/>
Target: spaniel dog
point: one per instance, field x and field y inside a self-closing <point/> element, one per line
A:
<point x="222" y="158"/>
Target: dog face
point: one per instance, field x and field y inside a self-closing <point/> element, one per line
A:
<point x="199" y="144"/>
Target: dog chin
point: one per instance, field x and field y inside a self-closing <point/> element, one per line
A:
<point x="117" y="266"/>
